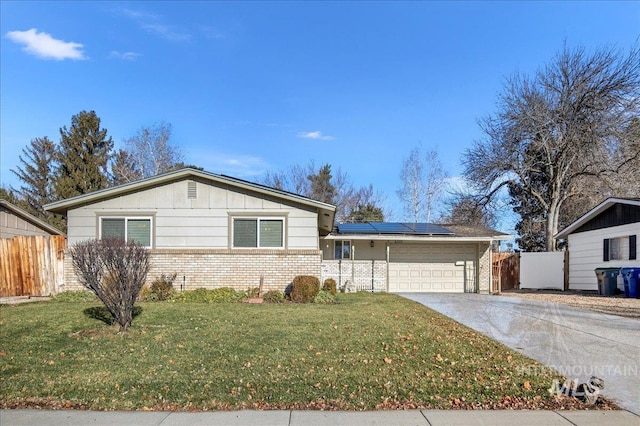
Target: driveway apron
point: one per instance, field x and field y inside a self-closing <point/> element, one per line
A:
<point x="578" y="343"/>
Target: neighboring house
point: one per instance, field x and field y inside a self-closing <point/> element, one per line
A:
<point x="606" y="236"/>
<point x="16" y="222"/>
<point x="408" y="257"/>
<point x="210" y="230"/>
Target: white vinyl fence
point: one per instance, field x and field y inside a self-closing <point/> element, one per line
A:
<point x="542" y="270"/>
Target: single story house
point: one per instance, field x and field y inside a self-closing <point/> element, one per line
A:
<point x="14" y="222"/>
<point x="215" y="230"/>
<point x="606" y="236"/>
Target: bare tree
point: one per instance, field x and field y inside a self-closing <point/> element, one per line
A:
<point x="152" y="152"/>
<point x="560" y="129"/>
<point x="422" y="180"/>
<point x="124" y="168"/>
<point x="324" y="184"/>
<point x="467" y="209"/>
<point x="115" y="271"/>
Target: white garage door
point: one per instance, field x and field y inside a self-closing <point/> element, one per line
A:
<point x="431" y="268"/>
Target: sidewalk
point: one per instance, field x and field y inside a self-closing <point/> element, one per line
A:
<point x="311" y="418"/>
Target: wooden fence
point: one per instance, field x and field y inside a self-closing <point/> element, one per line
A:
<point x="506" y="271"/>
<point x="31" y="265"/>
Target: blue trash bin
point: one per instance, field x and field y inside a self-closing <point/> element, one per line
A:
<point x="631" y="277"/>
<point x="607" y="281"/>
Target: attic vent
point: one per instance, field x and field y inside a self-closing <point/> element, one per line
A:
<point x="192" y="190"/>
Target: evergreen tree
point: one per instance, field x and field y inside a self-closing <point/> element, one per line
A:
<point x="366" y="213"/>
<point x="322" y="189"/>
<point x="83" y="156"/>
<point x="36" y="176"/>
<point x="8" y="194"/>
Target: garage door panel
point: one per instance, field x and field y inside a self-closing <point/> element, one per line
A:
<point x="428" y="268"/>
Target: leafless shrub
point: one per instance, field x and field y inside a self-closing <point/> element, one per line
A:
<point x="115" y="271"/>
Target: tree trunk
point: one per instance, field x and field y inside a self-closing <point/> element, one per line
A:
<point x="553" y="216"/>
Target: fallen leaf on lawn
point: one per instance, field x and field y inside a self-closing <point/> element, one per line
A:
<point x="526" y="385"/>
<point x="387" y="360"/>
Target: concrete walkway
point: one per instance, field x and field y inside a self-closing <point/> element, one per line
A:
<point x="311" y="418"/>
<point x="576" y="342"/>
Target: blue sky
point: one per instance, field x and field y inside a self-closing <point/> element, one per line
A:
<point x="257" y="86"/>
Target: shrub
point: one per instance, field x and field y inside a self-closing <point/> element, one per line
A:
<point x="324" y="297"/>
<point x="273" y="296"/>
<point x="146" y="295"/>
<point x="162" y="287"/>
<point x="252" y="293"/>
<point x="202" y="295"/>
<point x="304" y="288"/>
<point x="71" y="296"/>
<point x="115" y="271"/>
<point x="330" y="286"/>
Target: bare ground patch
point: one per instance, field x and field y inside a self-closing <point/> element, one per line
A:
<point x="614" y="305"/>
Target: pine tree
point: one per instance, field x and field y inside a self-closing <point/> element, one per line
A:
<point x="83" y="156"/>
<point x="322" y="189"/>
<point x="36" y="176"/>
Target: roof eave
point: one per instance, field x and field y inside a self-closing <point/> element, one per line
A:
<point x="592" y="213"/>
<point x="63" y="205"/>
<point x="416" y="238"/>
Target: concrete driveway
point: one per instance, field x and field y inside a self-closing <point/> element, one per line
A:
<point x="576" y="342"/>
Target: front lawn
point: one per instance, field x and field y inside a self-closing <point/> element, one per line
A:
<point x="369" y="351"/>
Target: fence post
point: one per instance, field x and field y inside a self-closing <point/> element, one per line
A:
<point x="566" y="270"/>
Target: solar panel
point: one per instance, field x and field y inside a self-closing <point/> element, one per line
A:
<point x="393" y="228"/>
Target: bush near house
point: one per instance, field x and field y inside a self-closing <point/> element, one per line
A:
<point x="304" y="288"/>
<point x="274" y="296"/>
<point x="330" y="286"/>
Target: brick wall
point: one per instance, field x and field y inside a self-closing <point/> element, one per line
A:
<point x="239" y="269"/>
<point x="485" y="268"/>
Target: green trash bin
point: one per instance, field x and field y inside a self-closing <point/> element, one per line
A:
<point x="607" y="281"/>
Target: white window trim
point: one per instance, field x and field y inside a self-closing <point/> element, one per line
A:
<point x="126" y="224"/>
<point x="350" y="250"/>
<point x="258" y="219"/>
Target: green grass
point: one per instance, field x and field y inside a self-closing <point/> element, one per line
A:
<point x="368" y="351"/>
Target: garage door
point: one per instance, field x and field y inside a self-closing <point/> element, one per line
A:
<point x="441" y="268"/>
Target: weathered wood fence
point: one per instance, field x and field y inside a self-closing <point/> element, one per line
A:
<point x="506" y="271"/>
<point x="31" y="265"/>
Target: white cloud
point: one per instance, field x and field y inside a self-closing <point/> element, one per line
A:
<point x="315" y="135"/>
<point x="165" y="32"/>
<point x="127" y="56"/>
<point x="153" y="24"/>
<point x="44" y="46"/>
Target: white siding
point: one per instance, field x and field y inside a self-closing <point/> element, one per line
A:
<point x="200" y="223"/>
<point x="585" y="255"/>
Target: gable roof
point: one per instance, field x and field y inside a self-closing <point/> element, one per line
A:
<point x="415" y="232"/>
<point x="326" y="212"/>
<point x="595" y="212"/>
<point x="28" y="217"/>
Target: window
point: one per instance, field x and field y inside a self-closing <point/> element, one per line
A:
<point x="258" y="233"/>
<point x="127" y="228"/>
<point x="620" y="248"/>
<point x="343" y="249"/>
